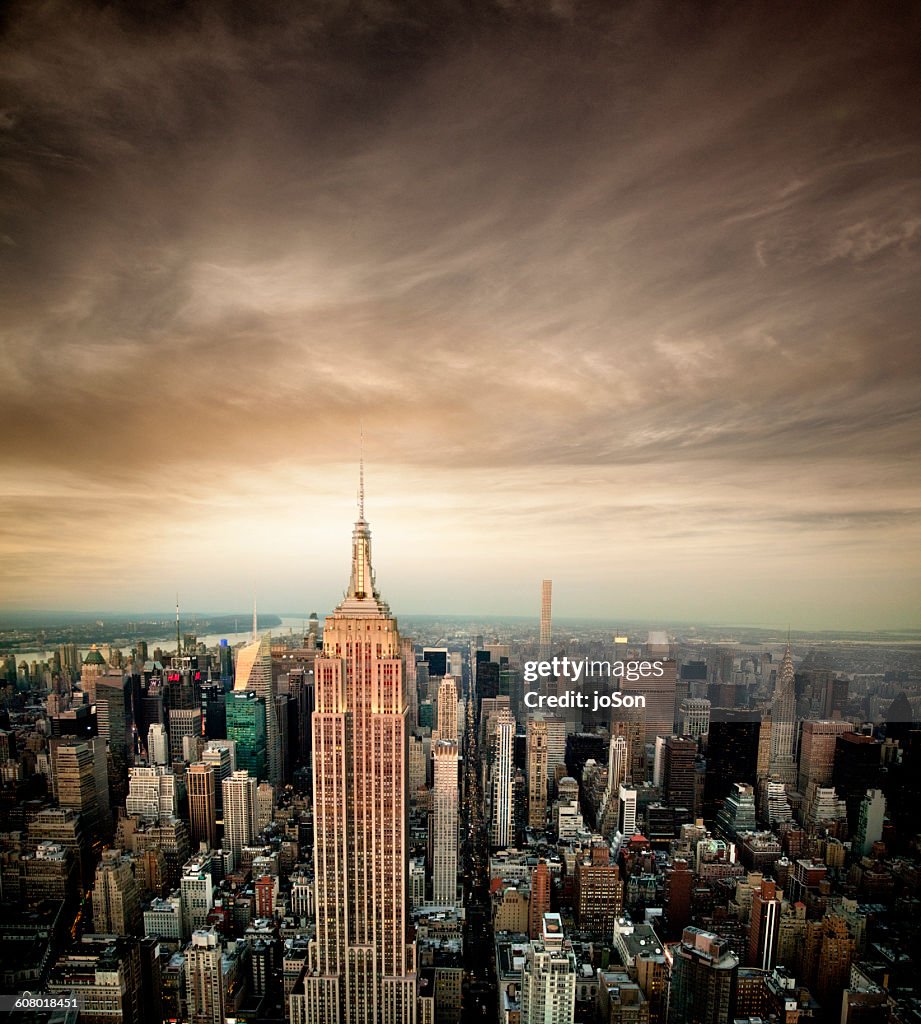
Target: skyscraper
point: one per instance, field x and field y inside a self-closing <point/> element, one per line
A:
<point x="116" y="902"/>
<point x="503" y="803"/>
<point x="253" y="674"/>
<point x="703" y="980"/>
<point x="200" y="782"/>
<point x="239" y="794"/>
<point x="447" y="708"/>
<point x="246" y="726"/>
<point x="444" y="885"/>
<point x="548" y="977"/>
<point x="782" y="764"/>
<point x="204" y="979"/>
<point x="546" y="597"/>
<point x="362" y="969"/>
<point x="764" y="926"/>
<point x="537" y="773"/>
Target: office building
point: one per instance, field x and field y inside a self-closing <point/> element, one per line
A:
<point x="694" y="717"/>
<point x="817" y="752"/>
<point x="157" y="744"/>
<point x="503" y="804"/>
<point x="870" y="821"/>
<point x="537" y="773"/>
<point x="444" y="837"/>
<point x="253" y="674"/>
<point x="679" y="773"/>
<point x="362" y="966"/>
<point x="447" y="709"/>
<point x="204" y="979"/>
<point x="151" y="793"/>
<point x="703" y="980"/>
<point x="246" y="728"/>
<point x="239" y="799"/>
<point x="116" y="901"/>
<point x="782" y="766"/>
<point x="764" y="926"/>
<point x="196" y="889"/>
<point x="202" y="791"/>
<point x="660" y="694"/>
<point x="548" y="977"/>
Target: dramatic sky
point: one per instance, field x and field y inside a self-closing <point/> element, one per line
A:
<point x="624" y="294"/>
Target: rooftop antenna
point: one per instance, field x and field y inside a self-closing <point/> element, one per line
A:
<point x="255" y="619"/>
<point x="361" y="474"/>
<point x="178" y="642"/>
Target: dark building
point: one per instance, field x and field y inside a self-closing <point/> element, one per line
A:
<point x="213" y="710"/>
<point x="680" y="778"/>
<point x="857" y="768"/>
<point x="582" y="747"/>
<point x="732" y="755"/>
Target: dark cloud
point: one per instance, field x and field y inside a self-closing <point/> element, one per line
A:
<point x="518" y="239"/>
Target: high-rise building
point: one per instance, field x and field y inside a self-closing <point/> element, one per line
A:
<point x="631" y="724"/>
<point x="548" y="977"/>
<point x="694" y="717"/>
<point x="253" y="674"/>
<point x="703" y="979"/>
<point x="246" y="727"/>
<point x="447" y="709"/>
<point x="239" y="799"/>
<point x="362" y="966"/>
<point x="626" y="823"/>
<point x="764" y="926"/>
<point x="539" y="902"/>
<point x="222" y="756"/>
<point x="183" y="723"/>
<point x="80" y="777"/>
<point x="598" y="892"/>
<point x="546" y="599"/>
<point x="503" y="803"/>
<point x="196" y="888"/>
<point x="738" y="813"/>
<point x="870" y="820"/>
<point x="157" y="744"/>
<point x="116" y="901"/>
<point x="94" y="666"/>
<point x="817" y="752"/>
<point x="444" y="838"/>
<point x="660" y="695"/>
<point x="204" y="979"/>
<point x="151" y="793"/>
<point x="537" y="773"/>
<point x="679" y="774"/>
<point x="200" y="783"/>
<point x="782" y="764"/>
<point x="265" y="805"/>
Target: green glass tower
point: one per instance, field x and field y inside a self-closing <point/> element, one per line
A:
<point x="246" y="726"/>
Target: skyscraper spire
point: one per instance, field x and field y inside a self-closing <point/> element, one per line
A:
<point x="178" y="640"/>
<point x="255" y="620"/>
<point x="361" y="477"/>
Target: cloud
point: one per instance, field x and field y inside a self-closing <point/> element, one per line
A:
<point x="518" y="241"/>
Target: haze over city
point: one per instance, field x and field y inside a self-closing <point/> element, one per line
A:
<point x="622" y="295"/>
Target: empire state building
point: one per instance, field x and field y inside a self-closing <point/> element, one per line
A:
<point x="361" y="967"/>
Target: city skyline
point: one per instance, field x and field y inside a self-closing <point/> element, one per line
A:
<point x="623" y="298"/>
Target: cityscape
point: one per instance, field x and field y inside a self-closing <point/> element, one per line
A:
<point x="605" y="314"/>
<point x="352" y="824"/>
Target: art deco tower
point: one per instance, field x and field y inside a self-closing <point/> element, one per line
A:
<point x="362" y="968"/>
<point x="782" y="764"/>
